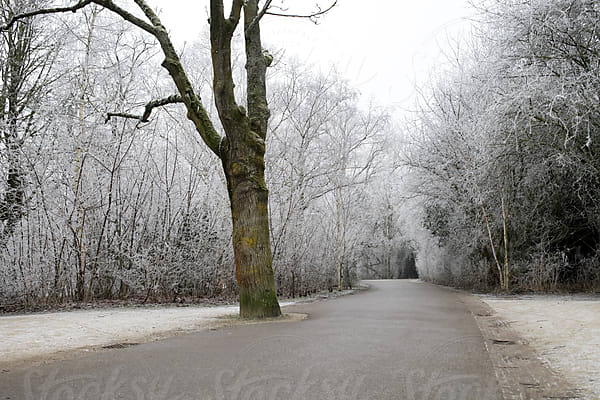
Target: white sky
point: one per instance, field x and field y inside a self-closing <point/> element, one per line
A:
<point x="381" y="46"/>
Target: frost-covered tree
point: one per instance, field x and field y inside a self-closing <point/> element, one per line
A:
<point x="506" y="147"/>
<point x="27" y="54"/>
<point x="324" y="153"/>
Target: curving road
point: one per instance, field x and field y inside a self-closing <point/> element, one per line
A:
<point x="397" y="340"/>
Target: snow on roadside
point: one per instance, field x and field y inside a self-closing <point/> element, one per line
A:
<point x="564" y="331"/>
<point x="33" y="335"/>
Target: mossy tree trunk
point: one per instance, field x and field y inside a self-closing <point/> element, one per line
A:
<point x="242" y="153"/>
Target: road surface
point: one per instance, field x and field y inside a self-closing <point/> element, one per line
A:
<point x="397" y="340"/>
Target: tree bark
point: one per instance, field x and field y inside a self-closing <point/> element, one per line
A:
<point x="242" y="154"/>
<point x="244" y="170"/>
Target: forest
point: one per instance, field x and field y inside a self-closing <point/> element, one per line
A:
<point x="490" y="182"/>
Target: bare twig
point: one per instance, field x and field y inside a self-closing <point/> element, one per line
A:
<point x="265" y="11"/>
<point x="148" y="109"/>
<point x="310" y="16"/>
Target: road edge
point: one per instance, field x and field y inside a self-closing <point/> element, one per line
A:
<point x="521" y="373"/>
<point x="213" y="323"/>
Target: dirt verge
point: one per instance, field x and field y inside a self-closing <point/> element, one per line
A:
<point x="521" y="373"/>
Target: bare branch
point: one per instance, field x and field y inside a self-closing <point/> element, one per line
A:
<point x="122" y="115"/>
<point x="260" y="15"/>
<point x="127" y="16"/>
<point x="310" y="16"/>
<point x="44" y="11"/>
<point x="148" y="110"/>
<point x="265" y="11"/>
<point x="236" y="11"/>
<point x="109" y="4"/>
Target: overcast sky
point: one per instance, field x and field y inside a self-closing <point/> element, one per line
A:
<point x="380" y="46"/>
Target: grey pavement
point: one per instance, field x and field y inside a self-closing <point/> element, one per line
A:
<point x="397" y="340"/>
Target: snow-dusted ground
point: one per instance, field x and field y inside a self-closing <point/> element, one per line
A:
<point x="564" y="331"/>
<point x="33" y="336"/>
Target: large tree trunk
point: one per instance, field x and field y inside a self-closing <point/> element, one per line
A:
<point x="242" y="153"/>
<point x="244" y="169"/>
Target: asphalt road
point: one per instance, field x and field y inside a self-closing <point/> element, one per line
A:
<point x="397" y="340"/>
